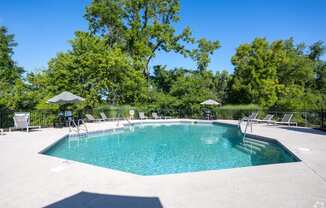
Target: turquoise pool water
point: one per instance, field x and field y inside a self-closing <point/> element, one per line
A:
<point x="155" y="149"/>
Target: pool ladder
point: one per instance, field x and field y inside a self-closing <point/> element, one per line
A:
<point x="244" y="140"/>
<point x="123" y="119"/>
<point x="248" y="123"/>
<point x="129" y="122"/>
<point x="80" y="128"/>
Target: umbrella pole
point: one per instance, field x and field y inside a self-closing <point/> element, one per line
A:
<point x="63" y="109"/>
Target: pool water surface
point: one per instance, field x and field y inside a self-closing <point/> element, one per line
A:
<point x="156" y="149"/>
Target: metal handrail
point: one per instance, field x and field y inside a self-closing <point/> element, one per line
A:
<point x="82" y="123"/>
<point x="129" y="122"/>
<point x="249" y="122"/>
<point x="245" y="131"/>
<point x="72" y="124"/>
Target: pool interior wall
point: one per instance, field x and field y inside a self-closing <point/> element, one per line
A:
<point x="168" y="148"/>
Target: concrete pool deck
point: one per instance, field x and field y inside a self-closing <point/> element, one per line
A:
<point x="30" y="179"/>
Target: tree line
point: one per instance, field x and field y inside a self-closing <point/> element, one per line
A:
<point x="109" y="65"/>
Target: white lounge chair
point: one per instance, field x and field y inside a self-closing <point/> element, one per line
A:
<point x="252" y="117"/>
<point x="22" y="121"/>
<point x="104" y="117"/>
<point x="91" y="118"/>
<point x="155" y="116"/>
<point x="286" y="120"/>
<point x="142" y="116"/>
<point x="267" y="119"/>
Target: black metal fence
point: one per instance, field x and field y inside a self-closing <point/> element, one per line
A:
<point x="323" y="120"/>
<point x="37" y="118"/>
<point x="49" y="118"/>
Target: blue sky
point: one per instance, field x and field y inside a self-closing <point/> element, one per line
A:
<point x="44" y="27"/>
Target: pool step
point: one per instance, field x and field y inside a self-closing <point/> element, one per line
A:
<point x="245" y="149"/>
<point x="251" y="146"/>
<point x="256" y="141"/>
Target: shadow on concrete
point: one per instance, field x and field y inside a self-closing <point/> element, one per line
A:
<point x="95" y="200"/>
<point x="304" y="130"/>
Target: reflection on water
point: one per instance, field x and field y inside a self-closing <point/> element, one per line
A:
<point x="209" y="140"/>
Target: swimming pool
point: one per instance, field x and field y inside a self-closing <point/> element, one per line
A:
<point x="166" y="148"/>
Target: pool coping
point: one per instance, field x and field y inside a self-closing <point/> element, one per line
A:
<point x="158" y="121"/>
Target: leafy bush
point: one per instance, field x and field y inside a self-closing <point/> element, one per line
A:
<point x="252" y="107"/>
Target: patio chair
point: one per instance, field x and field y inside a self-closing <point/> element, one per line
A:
<point x="142" y="116"/>
<point x="252" y="117"/>
<point x="286" y="120"/>
<point x="105" y="118"/>
<point x="155" y="116"/>
<point x="22" y="121"/>
<point x="208" y="115"/>
<point x="267" y="119"/>
<point x="91" y="118"/>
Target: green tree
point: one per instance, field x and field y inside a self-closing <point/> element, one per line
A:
<point x="279" y="75"/>
<point x="295" y="67"/>
<point x="221" y="81"/>
<point x="317" y="50"/>
<point x="296" y="75"/>
<point x="9" y="71"/>
<point x="13" y="90"/>
<point x="140" y="28"/>
<point x="192" y="89"/>
<point x="201" y="54"/>
<point x="97" y="72"/>
<point x="321" y="78"/>
<point x="164" y="78"/>
<point x="255" y="76"/>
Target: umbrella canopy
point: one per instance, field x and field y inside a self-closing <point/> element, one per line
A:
<point x="210" y="102"/>
<point x="65" y="98"/>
